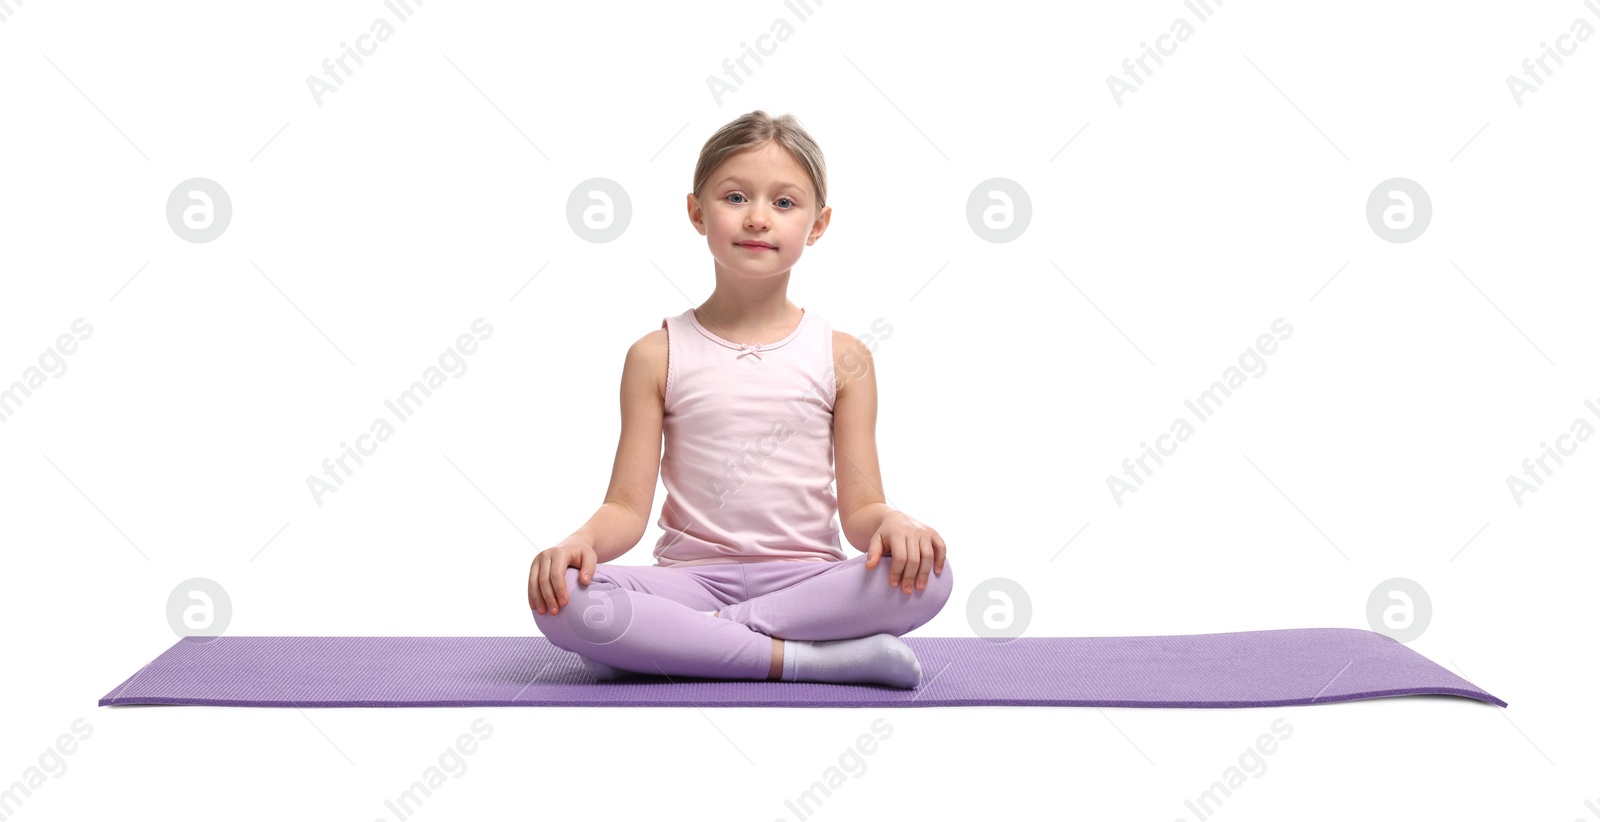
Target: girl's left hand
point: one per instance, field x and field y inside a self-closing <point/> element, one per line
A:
<point x="916" y="549"/>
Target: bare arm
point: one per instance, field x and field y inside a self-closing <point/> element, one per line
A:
<point x="855" y="417"/>
<point x="871" y="525"/>
<point x="613" y="529"/>
<point x="620" y="522"/>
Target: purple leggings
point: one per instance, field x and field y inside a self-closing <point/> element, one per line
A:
<point x="649" y="619"/>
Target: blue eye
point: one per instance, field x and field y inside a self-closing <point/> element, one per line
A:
<point x="788" y="200"/>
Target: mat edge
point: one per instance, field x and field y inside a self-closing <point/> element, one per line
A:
<point x="916" y="702"/>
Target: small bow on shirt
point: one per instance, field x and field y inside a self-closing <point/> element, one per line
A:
<point x="745" y="348"/>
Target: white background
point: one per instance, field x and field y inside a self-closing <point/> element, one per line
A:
<point x="370" y="231"/>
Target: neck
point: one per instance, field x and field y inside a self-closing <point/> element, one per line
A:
<point x="740" y="303"/>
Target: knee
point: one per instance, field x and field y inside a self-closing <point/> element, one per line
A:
<point x="940" y="586"/>
<point x="554" y="625"/>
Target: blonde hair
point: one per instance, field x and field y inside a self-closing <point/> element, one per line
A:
<point x="754" y="130"/>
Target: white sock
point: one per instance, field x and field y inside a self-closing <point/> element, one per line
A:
<point x="883" y="659"/>
<point x="712" y="614"/>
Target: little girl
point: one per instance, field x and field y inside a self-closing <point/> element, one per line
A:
<point x="756" y="397"/>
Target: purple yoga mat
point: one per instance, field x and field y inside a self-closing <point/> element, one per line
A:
<point x="1298" y="666"/>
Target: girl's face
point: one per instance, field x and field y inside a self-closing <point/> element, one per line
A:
<point x="758" y="197"/>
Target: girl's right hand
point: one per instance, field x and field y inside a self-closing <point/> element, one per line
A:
<point x="547" y="579"/>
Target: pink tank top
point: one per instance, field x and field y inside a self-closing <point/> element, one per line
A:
<point x="748" y="463"/>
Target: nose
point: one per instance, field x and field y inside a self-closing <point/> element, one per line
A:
<point x="756" y="217"/>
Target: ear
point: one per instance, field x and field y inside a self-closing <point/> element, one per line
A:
<point x="820" y="226"/>
<point x="697" y="217"/>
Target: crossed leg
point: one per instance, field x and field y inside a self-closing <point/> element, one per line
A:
<point x="652" y="619"/>
<point x="834" y="600"/>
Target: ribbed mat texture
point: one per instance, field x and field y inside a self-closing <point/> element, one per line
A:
<point x="1296" y="666"/>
